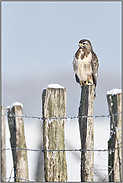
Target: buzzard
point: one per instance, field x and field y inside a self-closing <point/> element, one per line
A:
<point x="85" y="64"/>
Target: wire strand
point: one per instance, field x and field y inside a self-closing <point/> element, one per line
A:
<point x="17" y="178"/>
<point x="67" y="150"/>
<point x="64" y="118"/>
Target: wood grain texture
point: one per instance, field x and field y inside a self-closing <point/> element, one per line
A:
<point x="115" y="140"/>
<point x="17" y="140"/>
<point x="54" y="105"/>
<point x="86" y="127"/>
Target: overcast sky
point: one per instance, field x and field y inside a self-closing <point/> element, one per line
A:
<point x="39" y="40"/>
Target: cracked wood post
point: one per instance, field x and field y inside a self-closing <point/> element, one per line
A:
<point x="86" y="127"/>
<point x="115" y="141"/>
<point x="17" y="140"/>
<point x="3" y="146"/>
<point x="54" y="105"/>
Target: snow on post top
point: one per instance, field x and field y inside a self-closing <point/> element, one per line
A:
<point x="114" y="91"/>
<point x="8" y="107"/>
<point x="15" y="104"/>
<point x="55" y="86"/>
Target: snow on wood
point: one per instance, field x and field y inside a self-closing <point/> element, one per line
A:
<point x="8" y="107"/>
<point x="54" y="105"/>
<point x="15" y="104"/>
<point x="114" y="91"/>
<point x="55" y="86"/>
<point x="17" y="140"/>
<point x="114" y="99"/>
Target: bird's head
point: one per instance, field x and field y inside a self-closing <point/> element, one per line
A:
<point x="84" y="43"/>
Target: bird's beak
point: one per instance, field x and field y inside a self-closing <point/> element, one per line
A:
<point x="80" y="44"/>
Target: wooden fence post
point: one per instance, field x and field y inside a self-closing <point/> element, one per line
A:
<point x="86" y="127"/>
<point x="115" y="157"/>
<point x="17" y="140"/>
<point x="3" y="146"/>
<point x="54" y="105"/>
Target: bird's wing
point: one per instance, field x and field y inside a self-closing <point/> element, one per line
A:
<point x="95" y="65"/>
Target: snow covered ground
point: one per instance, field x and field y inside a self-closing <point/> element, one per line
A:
<point x="33" y="133"/>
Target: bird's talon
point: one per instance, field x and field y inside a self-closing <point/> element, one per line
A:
<point x="81" y="83"/>
<point x="86" y="83"/>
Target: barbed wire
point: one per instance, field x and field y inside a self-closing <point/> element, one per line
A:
<point x="17" y="178"/>
<point x="62" y="118"/>
<point x="62" y="150"/>
<point x="110" y="150"/>
<point x="96" y="180"/>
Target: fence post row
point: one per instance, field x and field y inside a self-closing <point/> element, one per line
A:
<point x="115" y="141"/>
<point x="55" y="167"/>
<point x="86" y="127"/>
<point x="3" y="146"/>
<point x="17" y="140"/>
<point x="54" y="105"/>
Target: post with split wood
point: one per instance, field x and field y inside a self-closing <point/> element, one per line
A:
<point x="3" y="146"/>
<point x="115" y="142"/>
<point x="54" y="106"/>
<point x="86" y="127"/>
<point x="17" y="140"/>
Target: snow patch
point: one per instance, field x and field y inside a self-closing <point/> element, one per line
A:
<point x="68" y="120"/>
<point x="114" y="91"/>
<point x="55" y="86"/>
<point x="62" y="121"/>
<point x="111" y="103"/>
<point x="8" y="107"/>
<point x="15" y="104"/>
<point x="53" y="156"/>
<point x="49" y="121"/>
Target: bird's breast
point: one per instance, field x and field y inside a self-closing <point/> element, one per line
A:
<point x="85" y="62"/>
<point x="82" y="67"/>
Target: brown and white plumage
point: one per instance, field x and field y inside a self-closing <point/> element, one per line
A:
<point x="85" y="64"/>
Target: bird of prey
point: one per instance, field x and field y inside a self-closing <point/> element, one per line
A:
<point x="85" y="64"/>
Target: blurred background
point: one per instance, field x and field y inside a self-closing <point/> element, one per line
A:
<point x="39" y="40"/>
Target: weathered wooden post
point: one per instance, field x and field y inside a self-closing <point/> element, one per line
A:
<point x="54" y="105"/>
<point x="86" y="127"/>
<point x="114" y="98"/>
<point x="17" y="140"/>
<point x="3" y="146"/>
